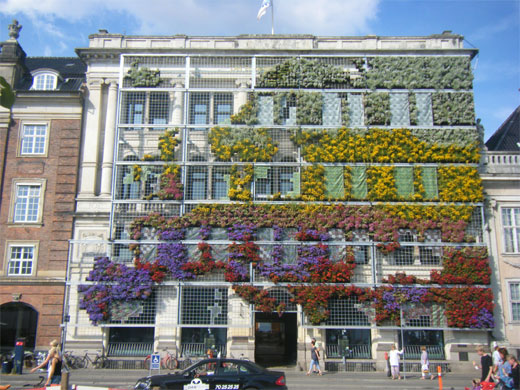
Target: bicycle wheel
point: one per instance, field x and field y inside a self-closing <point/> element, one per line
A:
<point x="170" y="363"/>
<point x="78" y="362"/>
<point x="100" y="362"/>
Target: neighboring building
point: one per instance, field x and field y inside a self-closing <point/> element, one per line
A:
<point x="39" y="156"/>
<point x="252" y="192"/>
<point x="501" y="179"/>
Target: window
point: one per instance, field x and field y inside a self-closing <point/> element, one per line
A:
<point x="133" y="108"/>
<point x="44" y="82"/>
<point x="208" y="109"/>
<point x="514" y="294"/>
<point x="21" y="260"/>
<point x="34" y="140"/>
<point x="511" y="224"/>
<point x="220" y="183"/>
<point x="27" y="203"/>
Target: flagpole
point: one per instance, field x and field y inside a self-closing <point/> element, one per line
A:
<point x="272" y="17"/>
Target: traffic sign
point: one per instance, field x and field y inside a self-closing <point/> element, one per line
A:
<point x="155" y="362"/>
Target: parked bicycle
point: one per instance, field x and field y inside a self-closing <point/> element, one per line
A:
<point x="168" y="361"/>
<point x="99" y="361"/>
<point x="70" y="361"/>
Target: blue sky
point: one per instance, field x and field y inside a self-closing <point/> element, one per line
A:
<point x="56" y="27"/>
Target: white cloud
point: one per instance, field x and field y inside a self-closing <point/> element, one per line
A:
<point x="201" y="17"/>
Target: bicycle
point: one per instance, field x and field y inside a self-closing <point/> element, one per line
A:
<point x="168" y="361"/>
<point x="100" y="361"/>
<point x="71" y="362"/>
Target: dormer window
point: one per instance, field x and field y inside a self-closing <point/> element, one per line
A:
<point x="44" y="81"/>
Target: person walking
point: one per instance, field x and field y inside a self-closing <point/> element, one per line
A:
<point x="394" y="362"/>
<point x="315" y="358"/>
<point x="425" y="364"/>
<point x="497" y="360"/>
<point x="504" y="373"/>
<point x="53" y="362"/>
<point x="486" y="364"/>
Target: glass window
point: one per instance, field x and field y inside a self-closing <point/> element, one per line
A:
<point x="223" y="108"/>
<point x="159" y="102"/>
<point x="207" y="109"/>
<point x="511" y="225"/>
<point x="34" y="139"/>
<point x="21" y="260"/>
<point x="514" y="289"/>
<point x="133" y="108"/>
<point x="197" y="181"/>
<point x="27" y="203"/>
<point x="220" y="186"/>
<point x="44" y="82"/>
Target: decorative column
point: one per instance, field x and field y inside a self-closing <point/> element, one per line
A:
<point x="177" y="104"/>
<point x="108" y="146"/>
<point x="90" y="140"/>
<point x="241" y="95"/>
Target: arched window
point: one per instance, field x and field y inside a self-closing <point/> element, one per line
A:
<point x="44" y="80"/>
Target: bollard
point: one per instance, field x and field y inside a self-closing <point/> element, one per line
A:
<point x="64" y="385"/>
<point x="439" y="375"/>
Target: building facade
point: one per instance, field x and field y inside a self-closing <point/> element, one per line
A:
<point x="39" y="154"/>
<point x="247" y="193"/>
<point x="501" y="179"/>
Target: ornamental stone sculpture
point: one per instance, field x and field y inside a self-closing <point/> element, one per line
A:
<point x="14" y="30"/>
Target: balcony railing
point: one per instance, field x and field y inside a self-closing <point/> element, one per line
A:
<point x="360" y="351"/>
<point x="199" y="349"/>
<point x="129" y="349"/>
<point x="413" y="352"/>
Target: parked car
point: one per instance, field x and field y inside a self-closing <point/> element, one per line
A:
<point x="217" y="374"/>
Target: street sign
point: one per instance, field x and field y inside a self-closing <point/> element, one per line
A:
<point x="155" y="362"/>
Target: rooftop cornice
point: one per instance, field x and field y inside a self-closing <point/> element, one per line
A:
<point x="109" y="46"/>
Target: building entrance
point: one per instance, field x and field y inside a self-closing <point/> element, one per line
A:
<point x="275" y="339"/>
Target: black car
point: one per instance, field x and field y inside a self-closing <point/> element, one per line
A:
<point x="216" y="374"/>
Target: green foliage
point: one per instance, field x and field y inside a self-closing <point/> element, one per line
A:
<point x="143" y="77"/>
<point x="6" y="94"/>
<point x="377" y="108"/>
<point x="453" y="108"/>
<point x="309" y="107"/>
<point x="412" y="101"/>
<point x="303" y="73"/>
<point x="248" y="113"/>
<point x="419" y="72"/>
<point x="345" y="111"/>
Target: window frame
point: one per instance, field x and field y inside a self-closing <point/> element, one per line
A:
<point x="503" y="227"/>
<point x="16" y="183"/>
<point x="35" y="245"/>
<point x="23" y="126"/>
<point x="45" y="74"/>
<point x="510" y="300"/>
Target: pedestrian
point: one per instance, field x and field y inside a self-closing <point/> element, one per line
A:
<point x="425" y="364"/>
<point x="486" y="364"/>
<point x="496" y="357"/>
<point x="504" y="373"/>
<point x="53" y="362"/>
<point x="315" y="358"/>
<point x="394" y="362"/>
<point x="515" y="371"/>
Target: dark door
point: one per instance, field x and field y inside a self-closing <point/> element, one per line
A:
<point x="17" y="320"/>
<point x="275" y="339"/>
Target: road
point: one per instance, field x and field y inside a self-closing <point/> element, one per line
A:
<point x="296" y="380"/>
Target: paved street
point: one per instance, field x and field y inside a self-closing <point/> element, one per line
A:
<point x="125" y="379"/>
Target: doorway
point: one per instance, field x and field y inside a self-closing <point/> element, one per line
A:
<point x="275" y="339"/>
<point x="17" y="320"/>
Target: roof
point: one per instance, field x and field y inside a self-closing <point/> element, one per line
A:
<point x="507" y="137"/>
<point x="71" y="70"/>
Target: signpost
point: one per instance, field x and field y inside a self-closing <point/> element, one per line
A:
<point x="155" y="362"/>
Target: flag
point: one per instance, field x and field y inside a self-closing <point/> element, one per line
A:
<point x="263" y="8"/>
